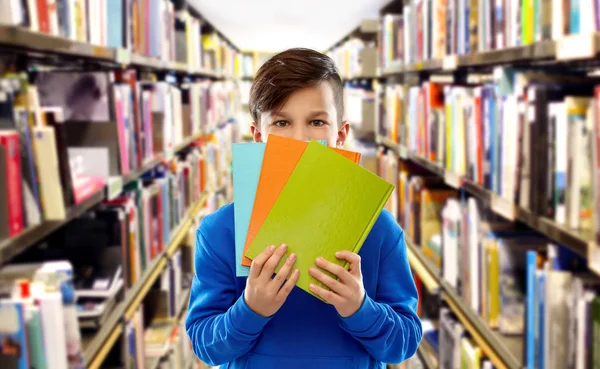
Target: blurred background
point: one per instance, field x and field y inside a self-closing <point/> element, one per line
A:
<point x="116" y="124"/>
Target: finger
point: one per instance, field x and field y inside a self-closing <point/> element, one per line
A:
<point x="335" y="285"/>
<point x="283" y="272"/>
<point x="270" y="265"/>
<point x="289" y="285"/>
<point x="352" y="258"/>
<point x="339" y="271"/>
<point x="259" y="261"/>
<point x="329" y="296"/>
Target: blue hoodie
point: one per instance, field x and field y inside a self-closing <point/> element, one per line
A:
<point x="305" y="332"/>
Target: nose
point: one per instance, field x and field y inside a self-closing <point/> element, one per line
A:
<point x="301" y="133"/>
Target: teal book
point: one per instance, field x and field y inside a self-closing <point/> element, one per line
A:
<point x="247" y="161"/>
<point x="35" y="337"/>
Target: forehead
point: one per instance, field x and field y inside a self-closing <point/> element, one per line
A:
<point x="319" y="97"/>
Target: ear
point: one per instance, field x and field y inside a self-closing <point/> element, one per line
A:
<point x="256" y="132"/>
<point x="342" y="134"/>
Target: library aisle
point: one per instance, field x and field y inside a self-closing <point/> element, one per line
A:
<point x="119" y="121"/>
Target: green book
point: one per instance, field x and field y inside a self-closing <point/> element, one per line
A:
<point x="596" y="333"/>
<point x="527" y="20"/>
<point x="328" y="204"/>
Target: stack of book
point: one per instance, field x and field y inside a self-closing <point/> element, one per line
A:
<point x="501" y="272"/>
<point x="152" y="28"/>
<point x="123" y="239"/>
<point x="39" y="323"/>
<point x="275" y="204"/>
<point x="528" y="137"/>
<point x="347" y="58"/>
<point x="359" y="100"/>
<point x="456" y="348"/>
<point x="66" y="136"/>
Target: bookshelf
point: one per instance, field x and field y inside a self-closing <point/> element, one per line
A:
<point x="427" y="362"/>
<point x="578" y="241"/>
<point x="13" y="246"/>
<point x="97" y="347"/>
<point x="33" y="44"/>
<point x="504" y="352"/>
<point x="172" y="96"/>
<point x="445" y="67"/>
<point x="154" y="362"/>
<point x="543" y="51"/>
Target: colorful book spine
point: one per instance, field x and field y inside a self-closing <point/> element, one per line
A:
<point x="9" y="143"/>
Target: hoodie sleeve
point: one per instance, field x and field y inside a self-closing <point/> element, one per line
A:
<point x="387" y="324"/>
<point x="221" y="327"/>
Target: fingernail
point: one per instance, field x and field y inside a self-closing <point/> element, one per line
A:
<point x="312" y="270"/>
<point x="271" y="248"/>
<point x="292" y="256"/>
<point x="311" y="286"/>
<point x="296" y="271"/>
<point x="319" y="261"/>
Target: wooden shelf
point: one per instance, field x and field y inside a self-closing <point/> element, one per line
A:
<point x="11" y="247"/>
<point x="41" y="44"/>
<point x="504" y="352"/>
<point x="97" y="347"/>
<point x="424" y="355"/>
<point x="580" y="242"/>
<point x="549" y="52"/>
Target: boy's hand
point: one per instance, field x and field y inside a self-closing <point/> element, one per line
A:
<point x="265" y="295"/>
<point x="347" y="292"/>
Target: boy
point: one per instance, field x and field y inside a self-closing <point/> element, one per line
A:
<point x="263" y="322"/>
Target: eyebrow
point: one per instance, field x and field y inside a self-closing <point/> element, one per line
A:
<point x="312" y="114"/>
<point x="318" y="113"/>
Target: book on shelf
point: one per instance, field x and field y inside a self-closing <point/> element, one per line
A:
<point x="436" y="29"/>
<point x="152" y="28"/>
<point x="518" y="283"/>
<point x="67" y="134"/>
<point x="498" y="138"/>
<point x="44" y="295"/>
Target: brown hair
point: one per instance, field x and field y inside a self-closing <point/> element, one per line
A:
<point x="289" y="71"/>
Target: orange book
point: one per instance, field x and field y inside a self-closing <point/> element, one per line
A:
<point x="280" y="159"/>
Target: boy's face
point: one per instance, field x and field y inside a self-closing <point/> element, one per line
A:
<point x="309" y="113"/>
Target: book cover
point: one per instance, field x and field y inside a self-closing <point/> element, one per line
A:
<point x="46" y="158"/>
<point x="247" y="161"/>
<point x="54" y="119"/>
<point x="596" y="164"/>
<point x="558" y="285"/>
<point x="512" y="281"/>
<point x="9" y="144"/>
<point x="43" y="16"/>
<point x="121" y="131"/>
<point x="432" y="202"/>
<point x="13" y="336"/>
<point x="31" y="194"/>
<point x="114" y="13"/>
<point x="354" y="194"/>
<point x="4" y="201"/>
<point x="596" y="332"/>
<point x="280" y="158"/>
<point x="35" y="339"/>
<point x="83" y="96"/>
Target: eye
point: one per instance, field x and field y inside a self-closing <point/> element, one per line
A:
<point x="317" y="123"/>
<point x="281" y="123"/>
